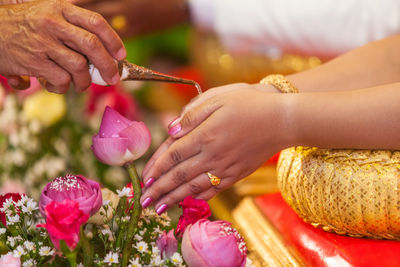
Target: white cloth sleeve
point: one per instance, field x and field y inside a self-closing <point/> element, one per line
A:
<point x="324" y="28"/>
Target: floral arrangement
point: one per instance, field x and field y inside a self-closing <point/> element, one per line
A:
<point x="44" y="135"/>
<point x="78" y="223"/>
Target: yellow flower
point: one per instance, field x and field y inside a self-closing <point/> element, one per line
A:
<point x="46" y="107"/>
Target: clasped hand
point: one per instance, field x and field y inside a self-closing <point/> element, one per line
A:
<point x="228" y="131"/>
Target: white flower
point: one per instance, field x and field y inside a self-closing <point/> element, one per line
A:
<point x="155" y="251"/>
<point x="106" y="231"/>
<point x="46" y="251"/>
<point x="3" y="231"/>
<point x="18" y="252"/>
<point x="29" y="245"/>
<point x="125" y="219"/>
<point x="13" y="219"/>
<point x="157" y="230"/>
<point x="23" y="200"/>
<point x="106" y="202"/>
<point x="111" y="257"/>
<point x="125" y="192"/>
<point x="29" y="263"/>
<point x="142" y="247"/>
<point x="157" y="261"/>
<point x="176" y="259"/>
<point x="134" y="263"/>
<point x="80" y="264"/>
<point x="249" y="262"/>
<point x="29" y="207"/>
<point x="138" y="237"/>
<point x="12" y="240"/>
<point x="7" y="204"/>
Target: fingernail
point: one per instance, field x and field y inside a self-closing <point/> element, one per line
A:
<point x="175" y="129"/>
<point x="146" y="202"/>
<point x="161" y="209"/>
<point x="175" y="121"/>
<point x="115" y="79"/>
<point x="149" y="182"/>
<point x="121" y="54"/>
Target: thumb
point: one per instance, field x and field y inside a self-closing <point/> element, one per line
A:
<point x="19" y="82"/>
<point x="192" y="117"/>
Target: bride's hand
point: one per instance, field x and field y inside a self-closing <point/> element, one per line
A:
<point x="229" y="135"/>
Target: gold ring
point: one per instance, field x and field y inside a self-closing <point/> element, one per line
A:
<point x="214" y="180"/>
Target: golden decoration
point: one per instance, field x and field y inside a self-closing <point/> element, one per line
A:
<point x="265" y="244"/>
<point x="352" y="192"/>
<point x="214" y="180"/>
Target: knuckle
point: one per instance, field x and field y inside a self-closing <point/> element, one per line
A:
<point x="93" y="41"/>
<point x="96" y="20"/>
<point x="179" y="177"/>
<point x="80" y="64"/>
<point x="217" y="188"/>
<point x="195" y="188"/>
<point x="62" y="80"/>
<point x="175" y="157"/>
<point x="187" y="119"/>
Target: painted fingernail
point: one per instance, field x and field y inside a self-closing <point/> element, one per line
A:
<point x="161" y="209"/>
<point x="121" y="54"/>
<point x="149" y="182"/>
<point x="146" y="202"/>
<point x="175" y="129"/>
<point x="115" y="79"/>
<point x="173" y="123"/>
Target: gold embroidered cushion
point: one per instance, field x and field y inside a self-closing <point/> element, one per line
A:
<point x="353" y="192"/>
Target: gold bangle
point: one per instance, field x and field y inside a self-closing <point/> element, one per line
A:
<point x="281" y="83"/>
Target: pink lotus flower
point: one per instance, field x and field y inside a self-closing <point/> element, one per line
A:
<point x="9" y="260"/>
<point x="84" y="191"/>
<point x="63" y="222"/>
<point x="213" y="244"/>
<point x="192" y="211"/>
<point x="120" y="140"/>
<point x="167" y="244"/>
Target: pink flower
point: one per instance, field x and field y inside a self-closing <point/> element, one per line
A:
<point x="120" y="140"/>
<point x="85" y="192"/>
<point x="213" y="244"/>
<point x="63" y="222"/>
<point x="9" y="260"/>
<point x="167" y="244"/>
<point x="192" y="211"/>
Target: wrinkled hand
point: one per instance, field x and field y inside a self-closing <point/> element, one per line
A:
<point x="54" y="39"/>
<point x="229" y="134"/>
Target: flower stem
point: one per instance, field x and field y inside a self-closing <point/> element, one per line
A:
<point x="87" y="250"/>
<point x="134" y="213"/>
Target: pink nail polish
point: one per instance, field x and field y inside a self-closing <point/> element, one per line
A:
<point x="175" y="129"/>
<point x="146" y="202"/>
<point x="149" y="182"/>
<point x="175" y="121"/>
<point x="161" y="209"/>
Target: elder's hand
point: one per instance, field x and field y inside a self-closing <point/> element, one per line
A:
<point x="229" y="135"/>
<point x="54" y="39"/>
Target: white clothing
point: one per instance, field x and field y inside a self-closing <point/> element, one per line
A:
<point x="324" y="28"/>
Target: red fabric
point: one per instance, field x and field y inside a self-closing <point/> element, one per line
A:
<point x="320" y="248"/>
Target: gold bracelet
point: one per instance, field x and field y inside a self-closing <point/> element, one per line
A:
<point x="280" y="82"/>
